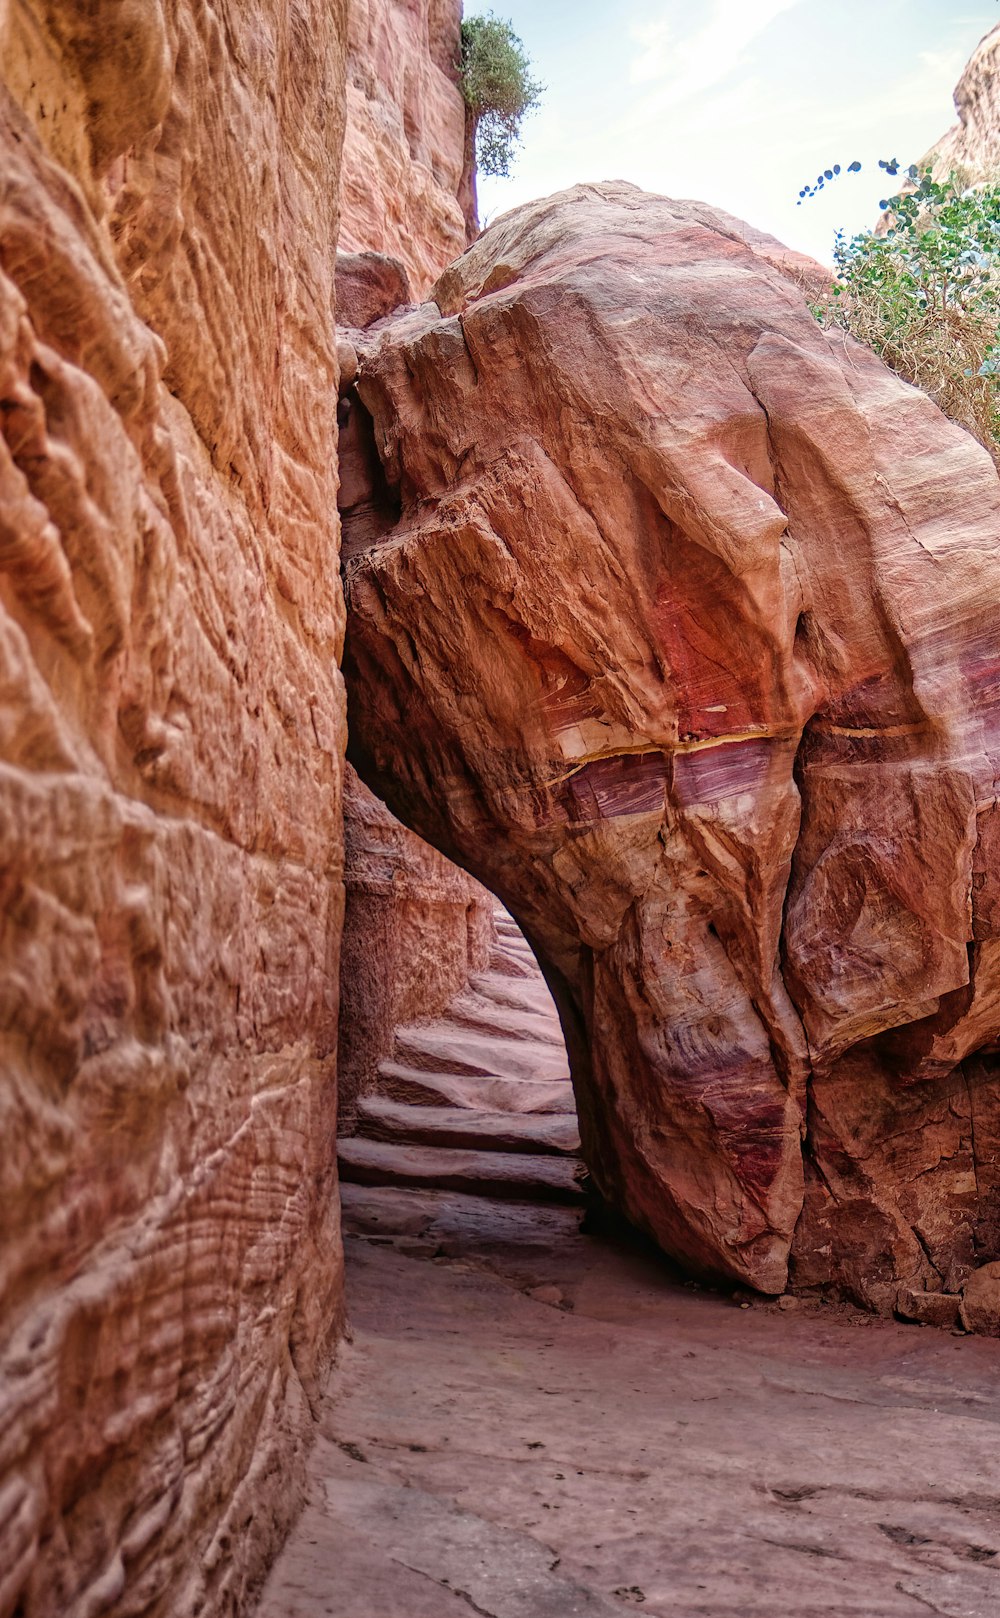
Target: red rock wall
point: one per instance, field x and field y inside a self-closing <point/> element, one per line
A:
<point x="416" y="925"/>
<point x="403" y="150"/>
<point x="171" y="733"/>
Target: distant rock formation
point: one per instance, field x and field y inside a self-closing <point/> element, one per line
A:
<point x="684" y="639"/>
<point x="973" y="143"/>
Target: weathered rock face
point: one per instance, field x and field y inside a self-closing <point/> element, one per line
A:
<point x="684" y="641"/>
<point x="369" y="286"/>
<point x="404" y="144"/>
<point x="170" y="732"/>
<point x="415" y="928"/>
<point x="415" y="925"/>
<point x="973" y="143"/>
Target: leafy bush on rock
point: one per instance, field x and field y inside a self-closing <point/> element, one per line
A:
<point x="495" y="74"/>
<point x="923" y="291"/>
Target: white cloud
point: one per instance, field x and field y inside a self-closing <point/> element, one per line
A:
<point x="693" y="100"/>
<point x="685" y="64"/>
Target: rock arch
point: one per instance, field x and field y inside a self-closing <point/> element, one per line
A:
<point x="684" y="643"/>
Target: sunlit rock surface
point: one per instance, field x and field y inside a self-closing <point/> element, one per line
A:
<point x="683" y="638"/>
<point x="170" y="734"/>
<point x="404" y="142"/>
<point x="972" y="144"/>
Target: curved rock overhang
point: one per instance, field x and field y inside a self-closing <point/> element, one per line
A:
<point x="684" y="642"/>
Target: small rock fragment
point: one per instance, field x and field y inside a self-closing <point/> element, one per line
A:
<point x="347" y="363"/>
<point x="927" y="1308"/>
<point x="980" y="1309"/>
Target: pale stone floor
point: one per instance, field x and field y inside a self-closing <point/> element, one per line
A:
<point x="619" y="1441"/>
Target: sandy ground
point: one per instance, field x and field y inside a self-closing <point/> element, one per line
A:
<point x="533" y="1423"/>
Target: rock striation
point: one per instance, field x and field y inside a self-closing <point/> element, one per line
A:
<point x="972" y="145"/>
<point x="171" y="733"/>
<point x="404" y="146"/>
<point x="682" y="638"/>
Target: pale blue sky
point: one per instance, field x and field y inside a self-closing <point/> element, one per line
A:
<point x="738" y="102"/>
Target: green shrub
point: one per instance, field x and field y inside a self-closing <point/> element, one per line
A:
<point x="923" y="291"/>
<point x="499" y="91"/>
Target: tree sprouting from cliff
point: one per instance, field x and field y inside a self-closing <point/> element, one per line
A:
<point x="499" y="91"/>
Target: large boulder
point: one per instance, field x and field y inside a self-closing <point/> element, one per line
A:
<point x="980" y="1310"/>
<point x="680" y="632"/>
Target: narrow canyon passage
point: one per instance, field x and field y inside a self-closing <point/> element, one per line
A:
<point x="354" y="574"/>
<point x="475" y="1096"/>
<point x="534" y="1423"/>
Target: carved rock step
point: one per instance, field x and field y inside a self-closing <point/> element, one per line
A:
<point x="488" y="1016"/>
<point x="503" y="953"/>
<point x="514" y="944"/>
<point x="399" y="1123"/>
<point x="513" y="965"/>
<point x="520" y="994"/>
<point x="402" y="1083"/>
<point x="444" y="1047"/>
<point x="483" y="1174"/>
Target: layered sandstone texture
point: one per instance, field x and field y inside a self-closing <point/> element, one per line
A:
<point x="684" y="640"/>
<point x="416" y="928"/>
<point x="972" y="145"/>
<point x="476" y="1098"/>
<point x="539" y="1424"/>
<point x="404" y="143"/>
<point x="170" y="738"/>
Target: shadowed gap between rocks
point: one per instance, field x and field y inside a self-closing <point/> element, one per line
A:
<point x="453" y="1072"/>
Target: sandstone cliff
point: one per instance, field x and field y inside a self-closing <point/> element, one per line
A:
<point x="972" y="145"/>
<point x="415" y="924"/>
<point x="672" y="618"/>
<point x="172" y="728"/>
<point x="683" y="639"/>
<point x="404" y="146"/>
